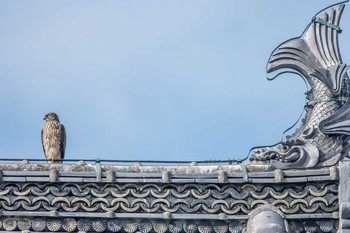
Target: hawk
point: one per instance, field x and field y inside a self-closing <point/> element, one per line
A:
<point x="53" y="138"/>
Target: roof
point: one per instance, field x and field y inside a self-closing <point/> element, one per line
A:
<point x="205" y="199"/>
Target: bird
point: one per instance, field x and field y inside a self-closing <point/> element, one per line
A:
<point x="53" y="138"/>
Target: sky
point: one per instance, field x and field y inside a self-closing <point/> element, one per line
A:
<point x="149" y="80"/>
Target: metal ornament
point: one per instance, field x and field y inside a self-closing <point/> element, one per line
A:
<point x="24" y="224"/>
<point x="69" y="224"/>
<point x="114" y="225"/>
<point x="322" y="139"/>
<point x="175" y="226"/>
<point x="235" y="227"/>
<point x="10" y="224"/>
<point x="160" y="226"/>
<point x="84" y="225"/>
<point x="220" y="227"/>
<point x="99" y="225"/>
<point x="130" y="226"/>
<point x="54" y="224"/>
<point x="38" y="224"/>
<point x="190" y="227"/>
<point x="145" y="226"/>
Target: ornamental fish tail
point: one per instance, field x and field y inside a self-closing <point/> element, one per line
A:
<point x="322" y="138"/>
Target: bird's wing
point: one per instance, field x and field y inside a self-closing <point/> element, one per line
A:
<point x="316" y="52"/>
<point x="62" y="140"/>
<point x="42" y="141"/>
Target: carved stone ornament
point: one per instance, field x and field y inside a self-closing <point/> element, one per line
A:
<point x="322" y="139"/>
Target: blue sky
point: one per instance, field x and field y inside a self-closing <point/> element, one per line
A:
<point x="149" y="80"/>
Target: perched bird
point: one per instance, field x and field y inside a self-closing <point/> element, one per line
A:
<point x="53" y="138"/>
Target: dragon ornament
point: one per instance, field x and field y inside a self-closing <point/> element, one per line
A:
<point x="322" y="138"/>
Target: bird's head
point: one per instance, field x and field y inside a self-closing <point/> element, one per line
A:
<point x="51" y="116"/>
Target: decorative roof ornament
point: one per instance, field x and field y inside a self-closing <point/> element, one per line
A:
<point x="322" y="139"/>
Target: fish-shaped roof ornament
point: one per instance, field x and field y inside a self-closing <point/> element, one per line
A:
<point x="322" y="139"/>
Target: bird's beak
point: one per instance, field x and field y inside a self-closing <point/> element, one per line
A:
<point x="44" y="118"/>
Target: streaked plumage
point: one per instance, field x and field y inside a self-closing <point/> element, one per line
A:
<point x="53" y="138"/>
